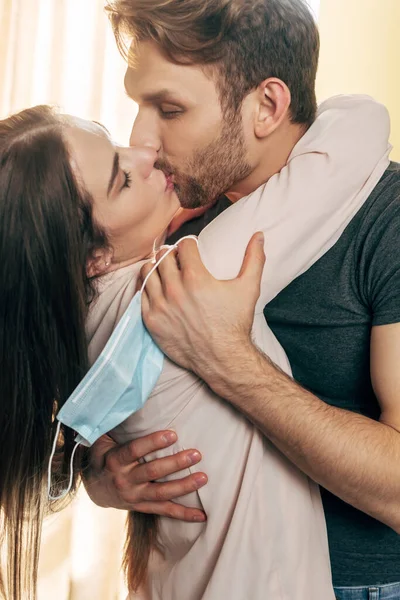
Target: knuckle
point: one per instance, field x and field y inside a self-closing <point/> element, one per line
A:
<point x="152" y="471"/>
<point x="171" y="511"/>
<point x="161" y="305"/>
<point x="160" y="494"/>
<point x="146" y="269"/>
<point x="190" y="485"/>
<point x="191" y="276"/>
<point x="111" y="462"/>
<point x="120" y="484"/>
<point x="131" y="449"/>
<point x="172" y="292"/>
<point x="151" y="319"/>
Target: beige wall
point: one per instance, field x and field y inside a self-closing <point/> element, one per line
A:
<point x="360" y="53"/>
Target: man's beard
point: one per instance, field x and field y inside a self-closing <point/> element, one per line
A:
<point x="213" y="170"/>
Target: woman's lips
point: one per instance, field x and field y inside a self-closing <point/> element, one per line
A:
<point x="169" y="182"/>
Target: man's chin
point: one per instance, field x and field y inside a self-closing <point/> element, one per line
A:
<point x="193" y="201"/>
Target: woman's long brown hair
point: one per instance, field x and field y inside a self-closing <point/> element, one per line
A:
<point x="46" y="237"/>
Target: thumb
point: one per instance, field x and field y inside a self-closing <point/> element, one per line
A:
<point x="254" y="259"/>
<point x="99" y="450"/>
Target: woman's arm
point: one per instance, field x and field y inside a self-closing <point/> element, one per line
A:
<point x="117" y="478"/>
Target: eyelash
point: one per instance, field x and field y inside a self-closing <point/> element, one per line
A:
<point x="128" y="180"/>
<point x="170" y="114"/>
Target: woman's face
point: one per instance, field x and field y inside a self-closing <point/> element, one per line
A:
<point x="132" y="201"/>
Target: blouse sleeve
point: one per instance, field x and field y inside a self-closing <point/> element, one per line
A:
<point x="305" y="208"/>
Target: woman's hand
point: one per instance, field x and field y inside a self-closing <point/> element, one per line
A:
<point x="116" y="478"/>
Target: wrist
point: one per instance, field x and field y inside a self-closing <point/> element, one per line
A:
<point x="233" y="377"/>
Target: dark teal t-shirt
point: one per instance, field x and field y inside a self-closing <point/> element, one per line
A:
<point x="323" y="320"/>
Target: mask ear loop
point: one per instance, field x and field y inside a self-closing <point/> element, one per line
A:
<point x="53" y="451"/>
<point x="71" y="468"/>
<point x="170" y="249"/>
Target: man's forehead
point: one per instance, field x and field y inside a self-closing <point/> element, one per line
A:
<point x="148" y="90"/>
<point x="152" y="76"/>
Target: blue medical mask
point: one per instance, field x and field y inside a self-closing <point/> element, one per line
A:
<point x="117" y="385"/>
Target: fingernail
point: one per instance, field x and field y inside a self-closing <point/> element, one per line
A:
<point x="193" y="457"/>
<point x="200" y="479"/>
<point x="199" y="518"/>
<point x="169" y="437"/>
<point x="260" y="237"/>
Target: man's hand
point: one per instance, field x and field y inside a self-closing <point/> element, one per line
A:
<point x="197" y="320"/>
<point x="117" y="479"/>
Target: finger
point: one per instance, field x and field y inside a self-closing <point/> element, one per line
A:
<point x="145" y="305"/>
<point x="161" y="492"/>
<point x="99" y="450"/>
<point x="190" y="259"/>
<point x="153" y="284"/>
<point x="163" y="467"/>
<point x="139" y="283"/>
<point x="168" y="269"/>
<point x="171" y="510"/>
<point x="254" y="258"/>
<point x="130" y="453"/>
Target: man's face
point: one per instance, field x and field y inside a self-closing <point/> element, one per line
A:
<point x="181" y="117"/>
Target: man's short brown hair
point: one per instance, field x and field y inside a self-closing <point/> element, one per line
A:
<point x="243" y="41"/>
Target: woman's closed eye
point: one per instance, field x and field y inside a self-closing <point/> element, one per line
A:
<point x="128" y="180"/>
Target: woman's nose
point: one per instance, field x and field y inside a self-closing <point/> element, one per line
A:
<point x="142" y="159"/>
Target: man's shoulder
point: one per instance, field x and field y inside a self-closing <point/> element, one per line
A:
<point x="394" y="167"/>
<point x="382" y="208"/>
<point x="389" y="182"/>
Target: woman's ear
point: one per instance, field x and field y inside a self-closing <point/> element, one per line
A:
<point x="273" y="103"/>
<point x="99" y="263"/>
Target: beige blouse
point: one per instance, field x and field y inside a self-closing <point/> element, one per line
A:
<point x="265" y="537"/>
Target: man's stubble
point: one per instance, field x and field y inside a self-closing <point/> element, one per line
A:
<point x="213" y="170"/>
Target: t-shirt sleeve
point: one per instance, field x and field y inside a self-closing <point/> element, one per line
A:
<point x="379" y="275"/>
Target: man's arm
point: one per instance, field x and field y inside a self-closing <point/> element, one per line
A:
<point x="204" y="325"/>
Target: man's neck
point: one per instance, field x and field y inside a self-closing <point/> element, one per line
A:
<point x="273" y="158"/>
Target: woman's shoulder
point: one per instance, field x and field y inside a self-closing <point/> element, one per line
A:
<point x="114" y="291"/>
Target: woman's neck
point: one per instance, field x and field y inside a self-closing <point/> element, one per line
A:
<point x="144" y="256"/>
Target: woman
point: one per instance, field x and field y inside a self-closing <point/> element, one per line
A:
<point x="74" y="207"/>
<point x="52" y="245"/>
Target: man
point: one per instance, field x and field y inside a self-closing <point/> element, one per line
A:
<point x="225" y="90"/>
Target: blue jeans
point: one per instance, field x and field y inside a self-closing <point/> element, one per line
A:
<point x="390" y="591"/>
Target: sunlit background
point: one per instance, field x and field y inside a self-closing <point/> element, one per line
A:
<point x="63" y="52"/>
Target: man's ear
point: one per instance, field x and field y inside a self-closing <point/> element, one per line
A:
<point x="99" y="263"/>
<point x="273" y="102"/>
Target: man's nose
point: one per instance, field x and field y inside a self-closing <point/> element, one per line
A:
<point x="143" y="159"/>
<point x="144" y="135"/>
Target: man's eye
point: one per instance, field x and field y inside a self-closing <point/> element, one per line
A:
<point x="170" y="114"/>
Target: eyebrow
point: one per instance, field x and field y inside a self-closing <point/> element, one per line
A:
<point x="160" y="96"/>
<point x="164" y="95"/>
<point x="114" y="173"/>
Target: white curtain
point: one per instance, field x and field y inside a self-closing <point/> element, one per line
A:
<point x="314" y="5"/>
<point x="62" y="52"/>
